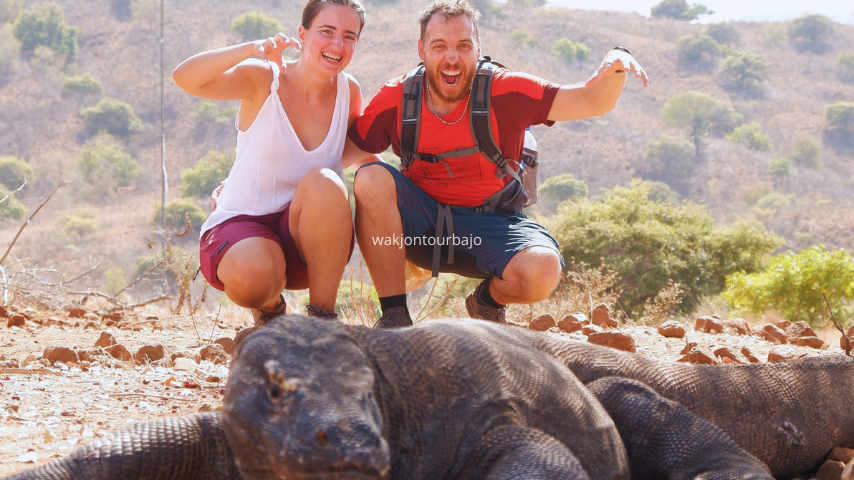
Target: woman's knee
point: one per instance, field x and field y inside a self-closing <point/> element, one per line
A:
<point x="323" y="183"/>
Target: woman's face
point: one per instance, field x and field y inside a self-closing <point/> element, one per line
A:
<point x="330" y="40"/>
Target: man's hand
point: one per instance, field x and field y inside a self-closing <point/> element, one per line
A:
<point x="271" y="49"/>
<point x="215" y="194"/>
<point x="618" y="61"/>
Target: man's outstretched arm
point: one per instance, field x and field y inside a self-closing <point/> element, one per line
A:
<point x="598" y="95"/>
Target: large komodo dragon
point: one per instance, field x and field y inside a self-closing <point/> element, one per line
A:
<point x="464" y="399"/>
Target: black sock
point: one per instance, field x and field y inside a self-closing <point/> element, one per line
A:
<point x="393" y="301"/>
<point x="484" y="296"/>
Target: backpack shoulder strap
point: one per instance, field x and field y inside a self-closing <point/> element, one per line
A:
<point x="410" y="114"/>
<point x="479" y="117"/>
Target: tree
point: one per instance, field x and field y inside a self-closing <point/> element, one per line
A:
<point x="563" y="187"/>
<point x="9" y="10"/>
<point x="724" y="34"/>
<point x="845" y="67"/>
<point x="84" y="85"/>
<point x="255" y="26"/>
<point x="680" y="9"/>
<point x="649" y="243"/>
<point x="751" y="135"/>
<point x="806" y="151"/>
<point x="744" y="70"/>
<point x="699" y="48"/>
<point x="701" y="114"/>
<point x="564" y="48"/>
<point x="45" y="25"/>
<point x="796" y="284"/>
<point x="205" y="176"/>
<point x="13" y="172"/>
<point x="661" y="192"/>
<point x="840" y="117"/>
<point x="106" y="166"/>
<point x="114" y="116"/>
<point x="669" y="159"/>
<point x="522" y="38"/>
<point x="812" y="33"/>
<point x="177" y="211"/>
<point x="780" y="167"/>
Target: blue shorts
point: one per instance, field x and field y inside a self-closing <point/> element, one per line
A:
<point x="483" y="242"/>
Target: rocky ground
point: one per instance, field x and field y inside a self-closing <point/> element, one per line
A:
<point x="68" y="377"/>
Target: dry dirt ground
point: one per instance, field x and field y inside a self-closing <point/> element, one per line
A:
<point x="46" y="411"/>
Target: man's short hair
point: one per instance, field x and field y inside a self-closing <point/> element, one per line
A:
<point x="449" y="8"/>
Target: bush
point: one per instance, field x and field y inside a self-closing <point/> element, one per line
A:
<point x="780" y="167"/>
<point x="701" y="114"/>
<point x="176" y="211"/>
<point x="81" y="223"/>
<point x="812" y="32"/>
<point x="680" y="9"/>
<point x="45" y="25"/>
<point x="650" y="243"/>
<point x="795" y="284"/>
<point x="661" y="192"/>
<point x="205" y="176"/>
<point x="10" y="51"/>
<point x="9" y="10"/>
<point x="107" y="166"/>
<point x="806" y="151"/>
<point x="84" y="84"/>
<point x="210" y="112"/>
<point x="563" y="187"/>
<point x="699" y="48"/>
<point x="13" y="172"/>
<point x="744" y="70"/>
<point x="840" y="117"/>
<point x="564" y="48"/>
<point x="522" y="38"/>
<point x="774" y="34"/>
<point x="669" y="159"/>
<point x="751" y="135"/>
<point x="11" y="208"/>
<point x="845" y="67"/>
<point x="724" y="33"/>
<point x="114" y="116"/>
<point x="255" y="26"/>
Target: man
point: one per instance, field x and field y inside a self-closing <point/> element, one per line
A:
<point x="518" y="259"/>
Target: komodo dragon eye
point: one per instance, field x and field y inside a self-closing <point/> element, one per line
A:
<point x="278" y="385"/>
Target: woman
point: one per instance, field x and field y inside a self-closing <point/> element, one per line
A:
<point x="282" y="219"/>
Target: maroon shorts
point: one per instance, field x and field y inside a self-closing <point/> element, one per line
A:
<point x="274" y="226"/>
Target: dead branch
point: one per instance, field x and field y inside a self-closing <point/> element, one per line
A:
<point x="838" y="326"/>
<point x="187" y="227"/>
<point x="14" y="191"/>
<point x="28" y="222"/>
<point x="147" y="273"/>
<point x="448" y="289"/>
<point x="147" y="302"/>
<point x="78" y="277"/>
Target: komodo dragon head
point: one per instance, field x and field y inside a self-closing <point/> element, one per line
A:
<point x="300" y="405"/>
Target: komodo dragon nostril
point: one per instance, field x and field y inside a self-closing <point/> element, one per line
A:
<point x="322" y="438"/>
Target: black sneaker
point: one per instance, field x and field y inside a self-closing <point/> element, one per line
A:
<point x="479" y="310"/>
<point x="320" y="312"/>
<point x="394" y="317"/>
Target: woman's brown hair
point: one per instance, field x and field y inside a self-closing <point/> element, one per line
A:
<point x="313" y="8"/>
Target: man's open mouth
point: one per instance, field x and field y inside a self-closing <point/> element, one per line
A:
<point x="450" y="77"/>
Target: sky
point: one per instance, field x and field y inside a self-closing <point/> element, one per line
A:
<point x="841" y="11"/>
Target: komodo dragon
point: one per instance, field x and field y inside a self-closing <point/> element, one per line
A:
<point x="465" y="399"/>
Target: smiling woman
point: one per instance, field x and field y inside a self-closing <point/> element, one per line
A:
<point x="282" y="217"/>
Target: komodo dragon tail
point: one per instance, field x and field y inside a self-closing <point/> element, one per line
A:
<point x="189" y="447"/>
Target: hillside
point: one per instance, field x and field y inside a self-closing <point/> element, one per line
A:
<point x="42" y="124"/>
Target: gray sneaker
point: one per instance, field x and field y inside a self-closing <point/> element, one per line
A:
<point x="394" y="317"/>
<point x="261" y="318"/>
<point x="320" y="312"/>
<point x="481" y="311"/>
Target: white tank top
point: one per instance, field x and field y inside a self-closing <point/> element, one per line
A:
<point x="271" y="161"/>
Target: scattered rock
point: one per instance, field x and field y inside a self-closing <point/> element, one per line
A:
<point x="215" y="354"/>
<point x="92" y="325"/>
<point x="182" y="364"/>
<point x="3" y="312"/>
<point x="799" y="329"/>
<point x="831" y="470"/>
<point x="16" y="320"/>
<point x="111" y="317"/>
<point x="781" y="353"/>
<point x="60" y="354"/>
<point x="773" y="334"/>
<point x="226" y="343"/>
<point x="688" y="347"/>
<point x="850" y="331"/>
<point x="193" y="357"/>
<point x="590" y="329"/>
<point x="701" y="355"/>
<point x="708" y="324"/>
<point x="812" y="342"/>
<point x="120" y="352"/>
<point x="672" y="329"/>
<point x="105" y="340"/>
<point x="617" y="340"/>
<point x="728" y="353"/>
<point x="783" y="324"/>
<point x="602" y="316"/>
<point x="750" y="355"/>
<point x="573" y="323"/>
<point x="850" y="341"/>
<point x="89" y="355"/>
<point x="76" y="312"/>
<point x="163" y="362"/>
<point x="842" y="454"/>
<point x="206" y="408"/>
<point x="737" y="325"/>
<point x="542" y="323"/>
<point x="213" y="379"/>
<point x="149" y="353"/>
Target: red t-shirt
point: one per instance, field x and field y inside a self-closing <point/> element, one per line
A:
<point x="518" y="101"/>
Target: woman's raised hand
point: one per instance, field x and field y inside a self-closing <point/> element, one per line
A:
<point x="271" y="49"/>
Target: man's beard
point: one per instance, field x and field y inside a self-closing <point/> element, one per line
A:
<point x="435" y="82"/>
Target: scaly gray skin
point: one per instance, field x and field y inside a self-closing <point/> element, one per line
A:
<point x="465" y="399"/>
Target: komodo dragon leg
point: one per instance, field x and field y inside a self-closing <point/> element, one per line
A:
<point x="664" y="440"/>
<point x="180" y="448"/>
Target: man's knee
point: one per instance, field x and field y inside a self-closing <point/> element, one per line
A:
<point x="537" y="271"/>
<point x="373" y="182"/>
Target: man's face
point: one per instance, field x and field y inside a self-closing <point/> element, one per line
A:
<point x="450" y="50"/>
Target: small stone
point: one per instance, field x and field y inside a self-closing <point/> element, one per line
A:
<point x="700" y="355"/>
<point x="16" y="320"/>
<point x="781" y="353"/>
<point x="842" y="454"/>
<point x="617" y="340"/>
<point x="60" y="354"/>
<point x="831" y="470"/>
<point x="213" y="379"/>
<point x="542" y="323"/>
<point x="105" y="340"/>
<point x="672" y="329"/>
<point x="708" y="324"/>
<point x="120" y="352"/>
<point x="850" y="342"/>
<point x="590" y="329"/>
<point x="602" y="316"/>
<point x="783" y="324"/>
<point x="850" y="331"/>
<point x="149" y="353"/>
<point x="194" y="357"/>
<point x="573" y="323"/>
<point x="76" y="312"/>
<point x="812" y="342"/>
<point x="111" y="317"/>
<point x="206" y="408"/>
<point x="88" y="355"/>
<point x="182" y="364"/>
<point x="226" y="343"/>
<point x="688" y="347"/>
<point x="215" y="354"/>
<point x="728" y="353"/>
<point x="3" y="312"/>
<point x="750" y="355"/>
<point x="92" y="325"/>
<point x="799" y="329"/>
<point x="773" y="334"/>
<point x="737" y="325"/>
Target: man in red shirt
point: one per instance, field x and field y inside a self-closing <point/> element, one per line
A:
<point x="396" y="211"/>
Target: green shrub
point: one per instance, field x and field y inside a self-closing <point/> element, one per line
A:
<point x="564" y="48"/>
<point x="522" y="38"/>
<point x="10" y="51"/>
<point x="176" y="211"/>
<point x="582" y="51"/>
<point x="11" y="208"/>
<point x="255" y="26"/>
<point x="650" y="243"/>
<point x="680" y="9"/>
<point x="661" y="192"/>
<point x="563" y="187"/>
<point x="751" y="135"/>
<point x="840" y="117"/>
<point x="80" y="223"/>
<point x="13" y="172"/>
<point x="795" y="284"/>
<point x="780" y="167"/>
<point x="106" y="166"/>
<point x="774" y="34"/>
<point x="845" y="67"/>
<point x="114" y="116"/>
<point x="669" y="159"/>
<point x="812" y="32"/>
<point x="744" y="70"/>
<point x="699" y="48"/>
<point x="210" y="112"/>
<point x="84" y="84"/>
<point x="724" y="33"/>
<point x="44" y="24"/>
<point x="806" y="151"/>
<point x="701" y="114"/>
<point x="206" y="174"/>
<point x="9" y="10"/>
